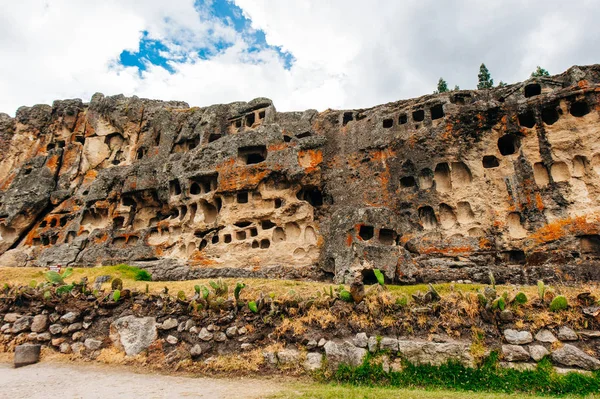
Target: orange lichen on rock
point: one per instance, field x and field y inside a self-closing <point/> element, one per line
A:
<point x="310" y="159"/>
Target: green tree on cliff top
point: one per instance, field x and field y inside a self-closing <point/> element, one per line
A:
<point x="485" y="79"/>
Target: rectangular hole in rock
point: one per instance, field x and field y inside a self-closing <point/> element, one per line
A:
<point x="261" y="115"/>
<point x="213" y="137"/>
<point x="366" y="232"/>
<point x="388" y="123"/>
<point x="418" y="115"/>
<point x="240" y="235"/>
<point x="403" y="119"/>
<point x="386" y="236"/>
<point x="227" y="238"/>
<point x="437" y="112"/>
<point x="242" y="197"/>
<point x="252" y="154"/>
<point x="250" y="119"/>
<point x="490" y="161"/>
<point x="532" y="89"/>
<point x="348" y="117"/>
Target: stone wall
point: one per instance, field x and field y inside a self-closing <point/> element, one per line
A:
<point x="299" y="333"/>
<point x="439" y="188"/>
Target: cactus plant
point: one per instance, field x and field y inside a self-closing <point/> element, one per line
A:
<point x="237" y="290"/>
<point x="379" y="276"/>
<point x="181" y="295"/>
<point x="252" y="306"/>
<point x="559" y="303"/>
<point x="521" y="298"/>
<point x="220" y="287"/>
<point x="541" y="290"/>
<point x="116" y="295"/>
<point x="346" y="296"/>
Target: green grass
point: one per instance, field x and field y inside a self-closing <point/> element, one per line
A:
<point x="543" y="380"/>
<point x="335" y="391"/>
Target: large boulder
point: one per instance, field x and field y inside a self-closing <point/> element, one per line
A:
<point x="344" y="353"/>
<point x="133" y="334"/>
<point x="514" y="353"/>
<point x="27" y="354"/>
<point x="434" y="353"/>
<point x="570" y="355"/>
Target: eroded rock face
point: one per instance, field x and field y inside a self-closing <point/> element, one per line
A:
<point x="133" y="334"/>
<point x="443" y="187"/>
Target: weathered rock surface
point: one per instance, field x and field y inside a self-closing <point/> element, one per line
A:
<point x="344" y="353"/>
<point x="26" y="354"/>
<point x="434" y="353"/>
<point x="567" y="334"/>
<point x="517" y="337"/>
<point x="514" y="353"/>
<point x="133" y="334"/>
<point x="438" y="188"/>
<point x="570" y="355"/>
<point x="538" y="352"/>
<point x="545" y="336"/>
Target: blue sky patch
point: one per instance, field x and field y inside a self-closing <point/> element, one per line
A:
<point x="155" y="52"/>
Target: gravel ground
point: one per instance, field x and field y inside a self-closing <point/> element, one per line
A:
<point x="55" y="380"/>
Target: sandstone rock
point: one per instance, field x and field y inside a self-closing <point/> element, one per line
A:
<point x="220" y="336"/>
<point x="43" y="337"/>
<point x="92" y="344"/>
<point x="344" y="353"/>
<point x="514" y="353"/>
<point x="570" y="355"/>
<point x="23" y="323"/>
<point x="133" y="334"/>
<point x="77" y="348"/>
<point x="538" y="352"/>
<point x="506" y="316"/>
<point x="55" y="329"/>
<point x="5" y="327"/>
<point x="189" y="324"/>
<point x="270" y="357"/>
<point x="246" y="346"/>
<point x="75" y="327"/>
<point x="54" y="317"/>
<point x="159" y="153"/>
<point x="567" y="334"/>
<point x="231" y="332"/>
<point x="313" y="361"/>
<point x="195" y="330"/>
<point x="86" y="325"/>
<point x="589" y="334"/>
<point x="389" y="344"/>
<point x="69" y="317"/>
<point x="77" y="336"/>
<point x="196" y="350"/>
<point x="57" y="341"/>
<point x="322" y="342"/>
<point x="517" y="337"/>
<point x="172" y="340"/>
<point x="311" y="344"/>
<point x="545" y="336"/>
<point x="242" y="331"/>
<point x="288" y="356"/>
<point x="361" y="340"/>
<point x="373" y="344"/>
<point x="204" y="335"/>
<point x="26" y="354"/>
<point x="11" y="317"/>
<point x="168" y="324"/>
<point x="424" y="352"/>
<point x="65" y="348"/>
<point x="40" y="323"/>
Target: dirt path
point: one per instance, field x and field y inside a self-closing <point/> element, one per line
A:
<point x="56" y="380"/>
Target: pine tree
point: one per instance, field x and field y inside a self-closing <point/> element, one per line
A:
<point x="539" y="72"/>
<point x="456" y="88"/>
<point x="502" y="84"/>
<point x="442" y="86"/>
<point x="485" y="80"/>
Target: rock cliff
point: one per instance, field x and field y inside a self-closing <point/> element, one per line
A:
<point x="442" y="187"/>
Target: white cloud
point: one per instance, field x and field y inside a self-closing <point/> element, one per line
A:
<point x="347" y="53"/>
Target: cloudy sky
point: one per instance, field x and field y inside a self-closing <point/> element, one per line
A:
<point x="302" y="54"/>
